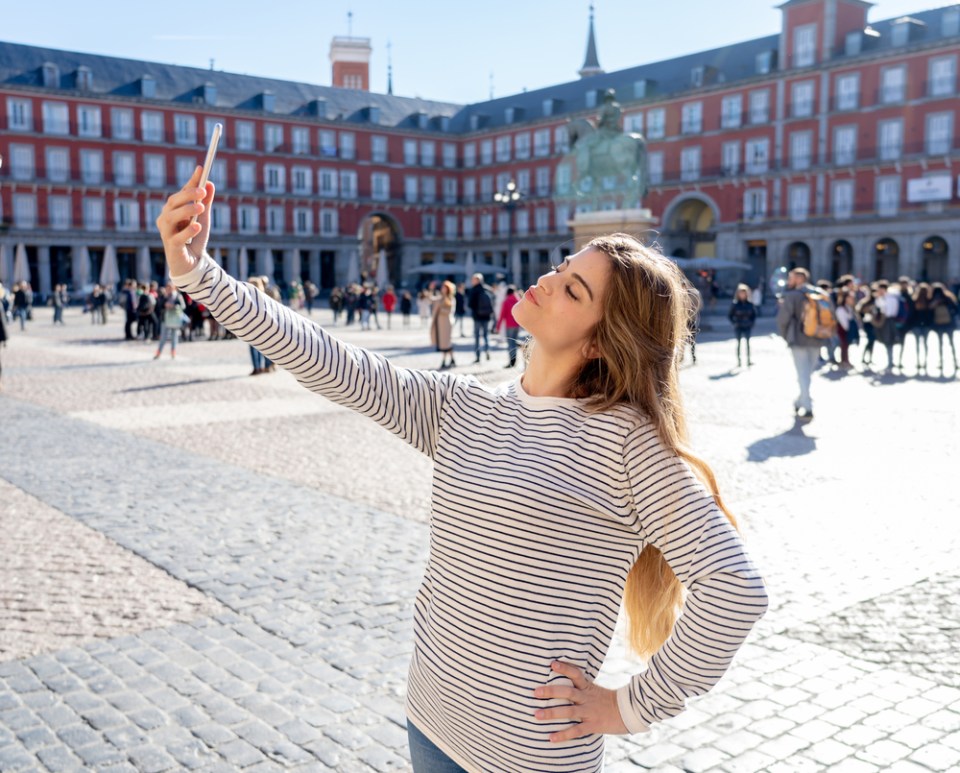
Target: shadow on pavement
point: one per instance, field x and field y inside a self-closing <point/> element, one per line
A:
<point x="172" y="384"/>
<point x="793" y="442"/>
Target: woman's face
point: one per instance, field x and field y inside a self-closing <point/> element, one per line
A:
<point x="563" y="308"/>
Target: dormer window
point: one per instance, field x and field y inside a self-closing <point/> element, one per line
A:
<point x="643" y="88"/>
<point x="148" y="87"/>
<point x="84" y="79"/>
<point x="853" y="43"/>
<point x="268" y="101"/>
<point x="591" y="98"/>
<point x="373" y="114"/>
<point x="209" y="93"/>
<point x="950" y="23"/>
<point x="423" y="120"/>
<point x="805" y="45"/>
<point x="765" y="62"/>
<point x="317" y="107"/>
<point x="51" y="76"/>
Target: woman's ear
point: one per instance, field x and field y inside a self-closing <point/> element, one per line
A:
<point x="591" y="351"/>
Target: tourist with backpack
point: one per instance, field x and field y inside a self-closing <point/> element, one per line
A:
<point x="806" y="320"/>
<point x="480" y="303"/>
<point x="944" y="305"/>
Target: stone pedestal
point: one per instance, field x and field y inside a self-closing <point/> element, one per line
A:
<point x="635" y="222"/>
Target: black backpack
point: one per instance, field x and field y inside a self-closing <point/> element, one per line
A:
<point x="484" y="304"/>
<point x="145" y="305"/>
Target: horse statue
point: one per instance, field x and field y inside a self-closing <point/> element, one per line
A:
<point x="608" y="164"/>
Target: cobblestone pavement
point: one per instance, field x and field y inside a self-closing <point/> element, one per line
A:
<point x="207" y="571"/>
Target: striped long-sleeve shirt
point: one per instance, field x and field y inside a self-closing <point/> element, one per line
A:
<point x="539" y="509"/>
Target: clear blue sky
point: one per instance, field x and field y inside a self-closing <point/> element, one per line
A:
<point x="442" y="49"/>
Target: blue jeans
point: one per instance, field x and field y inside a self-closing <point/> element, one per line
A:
<point x="513" y="340"/>
<point x="426" y="756"/>
<point x="171" y="333"/>
<point x="806" y="359"/>
<point x="481" y="327"/>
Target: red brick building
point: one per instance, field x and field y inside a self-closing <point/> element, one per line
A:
<point x="829" y="145"/>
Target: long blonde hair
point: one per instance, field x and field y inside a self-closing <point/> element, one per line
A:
<point x="641" y="338"/>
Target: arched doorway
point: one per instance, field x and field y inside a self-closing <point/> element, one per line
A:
<point x="690" y="228"/>
<point x="798" y="256"/>
<point x="841" y="259"/>
<point x="886" y="258"/>
<point x="933" y="260"/>
<point x="380" y="240"/>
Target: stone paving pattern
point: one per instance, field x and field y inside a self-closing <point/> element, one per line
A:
<point x="207" y="571"/>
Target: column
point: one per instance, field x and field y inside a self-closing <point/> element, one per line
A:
<point x="291" y="265"/>
<point x="513" y="261"/>
<point x="862" y="257"/>
<point x="43" y="269"/>
<point x="315" y="267"/>
<point x="952" y="238"/>
<point x="6" y="264"/>
<point x="232" y="259"/>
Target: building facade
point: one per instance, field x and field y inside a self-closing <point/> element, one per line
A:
<point x="830" y="145"/>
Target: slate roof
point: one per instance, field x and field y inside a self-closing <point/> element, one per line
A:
<point x="22" y="65"/>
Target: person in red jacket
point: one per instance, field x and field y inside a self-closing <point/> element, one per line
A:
<point x="389" y="300"/>
<point x="512" y="328"/>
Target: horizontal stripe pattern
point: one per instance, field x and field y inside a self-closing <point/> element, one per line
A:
<point x="539" y="509"/>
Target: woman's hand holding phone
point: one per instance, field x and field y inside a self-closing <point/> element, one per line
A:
<point x="185" y="239"/>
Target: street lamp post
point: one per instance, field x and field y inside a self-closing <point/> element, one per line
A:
<point x="509" y="198"/>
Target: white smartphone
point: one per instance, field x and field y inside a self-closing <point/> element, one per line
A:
<point x="208" y="164"/>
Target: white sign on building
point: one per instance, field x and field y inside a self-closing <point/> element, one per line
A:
<point x="923" y="189"/>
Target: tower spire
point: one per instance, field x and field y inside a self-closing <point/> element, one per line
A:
<point x="389" y="69"/>
<point x="591" y="64"/>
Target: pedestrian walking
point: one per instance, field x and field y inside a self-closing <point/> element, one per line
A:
<point x="389" y="300"/>
<point x="145" y="306"/>
<point x="441" y="324"/>
<point x="510" y="325"/>
<point x="743" y="316"/>
<point x="406" y="307"/>
<point x="128" y="301"/>
<point x="944" y="305"/>
<point x="21" y="303"/>
<point x="460" y="308"/>
<point x="172" y="321"/>
<point x="336" y="303"/>
<point x="480" y="301"/>
<point x="309" y="295"/>
<point x="3" y="341"/>
<point x="533" y="541"/>
<point x="59" y="299"/>
<point x="424" y="306"/>
<point x="805" y="320"/>
<point x="871" y="316"/>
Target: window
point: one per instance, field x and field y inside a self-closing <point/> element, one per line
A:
<point x="469" y="190"/>
<point x="691" y="118"/>
<point x="845" y="145"/>
<point x="429" y="226"/>
<point x="218" y="174"/>
<point x="798" y="197"/>
<point x="183" y="168"/>
<point x="561" y="140"/>
<point x="842" y="199"/>
<point x="21" y="162"/>
<point x="541" y="220"/>
<point x="121" y="123"/>
<point x="219" y="216"/>
<point x="939" y="134"/>
<point x="543" y="181"/>
<point x="449" y="190"/>
<point x="470" y="155"/>
<point x="486" y="151"/>
<point x="942" y="76"/>
<point x="521" y="144"/>
<point x="185" y="129"/>
<point x="123" y="169"/>
<point x="302" y="180"/>
<point x="950" y="22"/>
<point x="690" y="164"/>
<point x="523" y="181"/>
<point x="151" y="126"/>
<point x="248" y="217"/>
<point x="275" y="220"/>
<point x="348" y="184"/>
<point x="300" y="140"/>
<point x="379" y="186"/>
<point x="730" y="162"/>
<point x="58" y="164"/>
<point x="411" y="185"/>
<point x="486" y="188"/>
<point x="19" y="114"/>
<point x="633" y="123"/>
<point x="468" y="226"/>
<point x="486" y="226"/>
<point x="449" y="155"/>
<point x="591" y="98"/>
<point x="801" y="150"/>
<point x="503" y="148"/>
<point x="274" y="178"/>
<point x="561" y="214"/>
<point x="655" y="167"/>
<point x="757" y="155"/>
<point x="503" y="223"/>
<point x="731" y="111"/>
<point x="126" y="215"/>
<point x="503" y="178"/>
<point x="378" y="149"/>
<point x="246" y="176"/>
<point x="890" y="139"/>
<point x="888" y="196"/>
<point x="272" y="140"/>
<point x="759" y="106"/>
<point x="541" y="143"/>
<point x="155" y="171"/>
<point x="450" y="226"/>
<point x="348" y="145"/>
<point x="804" y="45"/>
<point x="24" y="210"/>
<point x="522" y="224"/>
<point x="245" y="135"/>
<point x="893" y="83"/>
<point x="58" y="208"/>
<point x="56" y="119"/>
<point x="329" y="225"/>
<point x="428" y="190"/>
<point x="93" y="214"/>
<point x="302" y="221"/>
<point x="656" y="123"/>
<point x="802" y="99"/>
<point x="327" y="181"/>
<point x="848" y="91"/>
<point x="327" y="142"/>
<point x="410" y="152"/>
<point x="428" y="152"/>
<point x="755" y="204"/>
<point x="89" y="121"/>
<point x="91" y="167"/>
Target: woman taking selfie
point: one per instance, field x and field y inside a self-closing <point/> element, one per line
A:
<point x="554" y="496"/>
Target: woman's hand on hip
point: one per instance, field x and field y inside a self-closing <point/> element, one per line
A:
<point x="175" y="227"/>
<point x="593" y="708"/>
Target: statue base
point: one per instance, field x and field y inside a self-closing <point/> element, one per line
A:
<point x="635" y="222"/>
